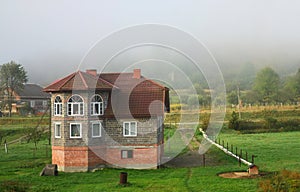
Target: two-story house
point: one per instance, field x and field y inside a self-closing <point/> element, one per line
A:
<point x="107" y="119"/>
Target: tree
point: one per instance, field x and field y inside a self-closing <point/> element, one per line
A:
<point x="266" y="85"/>
<point x="234" y="121"/>
<point x="34" y="135"/>
<point x="12" y="79"/>
<point x="291" y="88"/>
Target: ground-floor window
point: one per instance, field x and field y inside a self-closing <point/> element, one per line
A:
<point x="126" y="154"/>
<point x="96" y="129"/>
<point x="57" y="130"/>
<point x="75" y="130"/>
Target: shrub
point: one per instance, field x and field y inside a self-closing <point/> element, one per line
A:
<point x="204" y="118"/>
<point x="284" y="181"/>
<point x="234" y="121"/>
<point x="270" y="122"/>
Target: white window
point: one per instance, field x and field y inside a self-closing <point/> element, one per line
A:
<point x="75" y="130"/>
<point x="57" y="106"/>
<point x="32" y="103"/>
<point x="96" y="105"/>
<point x="125" y="154"/>
<point x="75" y="106"/>
<point x="130" y="128"/>
<point x="96" y="129"/>
<point x="45" y="103"/>
<point x="57" y="130"/>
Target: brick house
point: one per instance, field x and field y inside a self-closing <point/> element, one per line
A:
<point x="108" y="119"/>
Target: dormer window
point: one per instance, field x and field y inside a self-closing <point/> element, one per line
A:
<point x="96" y="105"/>
<point x="57" y="106"/>
<point x="75" y="106"/>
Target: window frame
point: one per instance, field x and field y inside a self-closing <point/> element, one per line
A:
<point x="80" y="131"/>
<point x="57" y="106"/>
<point x="129" y="129"/>
<point x="55" y="130"/>
<point x="80" y="106"/>
<point x="93" y="106"/>
<point x="100" y="128"/>
<point x="127" y="154"/>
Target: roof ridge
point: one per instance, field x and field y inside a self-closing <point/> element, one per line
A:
<point x="67" y="79"/>
<point x="97" y="78"/>
<point x="83" y="79"/>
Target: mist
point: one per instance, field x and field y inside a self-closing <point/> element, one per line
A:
<point x="52" y="38"/>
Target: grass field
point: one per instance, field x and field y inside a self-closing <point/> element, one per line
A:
<point x="274" y="151"/>
<point x="20" y="168"/>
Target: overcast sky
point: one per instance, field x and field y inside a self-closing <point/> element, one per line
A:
<point x="51" y="37"/>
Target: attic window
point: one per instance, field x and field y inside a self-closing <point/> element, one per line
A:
<point x="75" y="106"/>
<point x="57" y="106"/>
<point x="96" y="105"/>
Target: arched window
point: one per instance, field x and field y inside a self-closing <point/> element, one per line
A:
<point x="75" y="105"/>
<point x="57" y="106"/>
<point x="96" y="105"/>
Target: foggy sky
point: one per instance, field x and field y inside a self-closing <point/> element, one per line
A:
<point x="51" y="37"/>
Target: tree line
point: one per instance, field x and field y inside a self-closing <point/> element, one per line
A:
<point x="266" y="88"/>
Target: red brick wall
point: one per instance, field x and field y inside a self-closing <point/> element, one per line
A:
<point x="83" y="158"/>
<point x="143" y="158"/>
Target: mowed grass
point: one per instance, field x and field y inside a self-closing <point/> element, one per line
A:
<point x="275" y="151"/>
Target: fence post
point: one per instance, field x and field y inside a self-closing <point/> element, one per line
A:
<point x="236" y="149"/>
<point x="227" y="146"/>
<point x="253" y="159"/>
<point x="231" y="148"/>
<point x="203" y="158"/>
<point x="5" y="146"/>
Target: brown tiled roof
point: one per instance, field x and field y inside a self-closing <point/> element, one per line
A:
<point x="137" y="97"/>
<point x="79" y="81"/>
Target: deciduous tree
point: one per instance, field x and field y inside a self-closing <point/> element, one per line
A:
<point x="266" y="85"/>
<point x="12" y="79"/>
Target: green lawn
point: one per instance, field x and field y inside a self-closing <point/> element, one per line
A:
<point x="275" y="151"/>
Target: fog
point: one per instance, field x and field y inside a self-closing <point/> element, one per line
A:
<point x="52" y="38"/>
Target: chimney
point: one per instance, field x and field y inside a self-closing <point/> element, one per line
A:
<point x="92" y="72"/>
<point x="136" y="73"/>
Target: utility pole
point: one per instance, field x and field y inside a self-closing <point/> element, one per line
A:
<point x="239" y="101"/>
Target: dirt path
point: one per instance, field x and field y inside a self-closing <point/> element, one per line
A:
<point x="192" y="158"/>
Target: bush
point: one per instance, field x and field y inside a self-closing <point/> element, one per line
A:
<point x="270" y="122"/>
<point x="234" y="121"/>
<point x="284" y="181"/>
<point x="204" y="118"/>
<point x="289" y="124"/>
